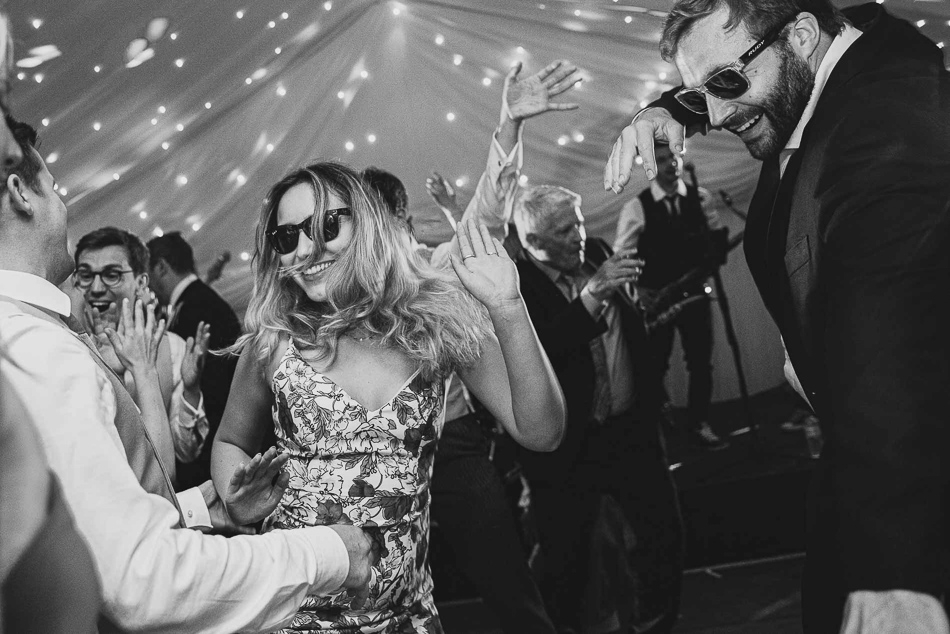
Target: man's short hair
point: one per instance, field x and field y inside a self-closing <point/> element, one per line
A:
<point x="536" y="203"/>
<point x="135" y="249"/>
<point x="759" y="17"/>
<point x="172" y="248"/>
<point x="31" y="164"/>
<point x="390" y="189"/>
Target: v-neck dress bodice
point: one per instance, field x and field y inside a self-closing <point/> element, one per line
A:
<point x="369" y="468"/>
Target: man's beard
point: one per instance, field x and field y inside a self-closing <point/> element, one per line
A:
<point x="784" y="104"/>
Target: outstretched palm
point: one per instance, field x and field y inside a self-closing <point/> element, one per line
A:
<point x="533" y="95"/>
<point x="255" y="488"/>
<point x="485" y="269"/>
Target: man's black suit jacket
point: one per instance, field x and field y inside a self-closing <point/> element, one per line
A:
<point x="566" y="329"/>
<point x="852" y="257"/>
<point x="199" y="302"/>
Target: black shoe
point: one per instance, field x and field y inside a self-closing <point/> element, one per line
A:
<point x="705" y="437"/>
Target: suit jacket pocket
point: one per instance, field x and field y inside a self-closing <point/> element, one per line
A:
<point x="797" y="256"/>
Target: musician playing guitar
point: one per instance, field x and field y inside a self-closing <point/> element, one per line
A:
<point x="676" y="231"/>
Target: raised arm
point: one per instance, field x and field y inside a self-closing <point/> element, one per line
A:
<point x="513" y="377"/>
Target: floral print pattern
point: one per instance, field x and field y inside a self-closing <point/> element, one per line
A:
<point x="368" y="468"/>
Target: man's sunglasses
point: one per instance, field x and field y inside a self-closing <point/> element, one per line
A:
<point x="729" y="82"/>
<point x="284" y="237"/>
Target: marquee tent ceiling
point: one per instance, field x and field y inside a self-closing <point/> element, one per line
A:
<point x="237" y="92"/>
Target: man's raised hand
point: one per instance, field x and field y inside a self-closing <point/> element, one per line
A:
<point x="531" y="96"/>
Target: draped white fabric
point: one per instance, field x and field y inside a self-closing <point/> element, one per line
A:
<point x="268" y="111"/>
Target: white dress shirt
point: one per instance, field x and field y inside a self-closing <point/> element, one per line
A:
<point x="632" y="219"/>
<point x="154" y="576"/>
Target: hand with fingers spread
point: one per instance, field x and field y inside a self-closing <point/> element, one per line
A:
<point x="192" y="364"/>
<point x="97" y="323"/>
<point x="137" y="337"/>
<point x="256" y="487"/>
<point x="531" y="96"/>
<point x="618" y="270"/>
<point x="443" y="194"/>
<point x="484" y="268"/>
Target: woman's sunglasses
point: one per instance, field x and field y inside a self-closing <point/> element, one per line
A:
<point x="284" y="237"/>
<point x="729" y="82"/>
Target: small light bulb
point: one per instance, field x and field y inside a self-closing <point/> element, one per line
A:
<point x="248" y="81"/>
<point x="459" y="182"/>
<point x="327" y="6"/>
<point x="157" y="231"/>
<point x="179" y="62"/>
<point x="440" y="39"/>
<point x="173" y="36"/>
<point x="207" y="105"/>
<point x="520" y="50"/>
<point x="281" y="91"/>
<point x="277" y="51"/>
<point x="62" y="191"/>
<point x="115" y="176"/>
<point x="457" y="60"/>
<point x="97" y="68"/>
<point x="161" y="109"/>
<point x="349" y="146"/>
<point x="154" y="121"/>
<point x="486" y="81"/>
<point x="37" y="23"/>
<point x="921" y="23"/>
<point x="396" y="11"/>
<point x="284" y="15"/>
<point x="180" y="127"/>
<point x="371" y="138"/>
<point x="364" y="74"/>
<point x="143" y="215"/>
<point x="96" y="126"/>
<point x="270" y="147"/>
<point x="450" y="116"/>
<point x="53" y="157"/>
<point x="940" y="44"/>
<point x="165" y="145"/>
<point x="341" y="95"/>
<point x="662" y="76"/>
<point x="39" y="78"/>
<point x="523" y="179"/>
<point x="562" y="140"/>
<point x="181" y="180"/>
<point x="271" y="24"/>
<point x="45" y="122"/>
<point x="577" y="13"/>
<point x="21" y="76"/>
<point x="628" y="19"/>
<point x="245" y="256"/>
<point x="241" y="179"/>
<point x="195" y="226"/>
<point x="638" y="160"/>
<point x="578" y="137"/>
<point x="239" y="14"/>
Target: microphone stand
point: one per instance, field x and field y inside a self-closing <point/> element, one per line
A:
<point x="723" y="300"/>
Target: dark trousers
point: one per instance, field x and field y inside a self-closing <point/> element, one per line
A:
<point x="695" y="327"/>
<point x="470" y="507"/>
<point x="626" y="459"/>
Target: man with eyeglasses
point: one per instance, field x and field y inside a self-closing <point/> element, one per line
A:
<point x="848" y="240"/>
<point x="112" y="266"/>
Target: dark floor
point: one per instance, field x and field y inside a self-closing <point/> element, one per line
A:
<point x="748" y="598"/>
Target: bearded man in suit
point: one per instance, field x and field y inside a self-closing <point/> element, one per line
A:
<point x="848" y="240"/>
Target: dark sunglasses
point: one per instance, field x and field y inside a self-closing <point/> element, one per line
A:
<point x="729" y="82"/>
<point x="284" y="237"/>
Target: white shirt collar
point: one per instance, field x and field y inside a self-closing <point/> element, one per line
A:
<point x="180" y="288"/>
<point x="836" y="51"/>
<point x="32" y="289"/>
<point x="659" y="193"/>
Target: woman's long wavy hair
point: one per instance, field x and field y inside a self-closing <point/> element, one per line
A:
<point x="377" y="287"/>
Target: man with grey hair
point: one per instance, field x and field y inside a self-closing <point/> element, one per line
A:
<point x="848" y="240"/>
<point x="575" y="291"/>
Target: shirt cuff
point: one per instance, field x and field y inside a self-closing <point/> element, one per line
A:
<point x="593" y="305"/>
<point x="500" y="160"/>
<point x="196" y="412"/>
<point x="193" y="508"/>
<point x="332" y="558"/>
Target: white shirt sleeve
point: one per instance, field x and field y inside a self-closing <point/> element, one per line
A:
<point x="154" y="576"/>
<point x="630" y="225"/>
<point x="492" y="203"/>
<point x="713" y="221"/>
<point x="189" y="425"/>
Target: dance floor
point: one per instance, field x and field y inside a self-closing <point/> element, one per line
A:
<point x="743" y="509"/>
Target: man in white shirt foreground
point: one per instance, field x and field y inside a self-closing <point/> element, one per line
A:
<point x="154" y="576"/>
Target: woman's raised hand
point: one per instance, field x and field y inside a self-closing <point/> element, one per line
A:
<point x="256" y="487"/>
<point x="484" y="267"/>
<point x="137" y="337"/>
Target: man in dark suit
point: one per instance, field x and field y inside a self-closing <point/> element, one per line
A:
<point x="594" y="336"/>
<point x="173" y="278"/>
<point x="848" y="240"/>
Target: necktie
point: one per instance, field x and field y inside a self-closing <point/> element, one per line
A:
<point x="602" y="401"/>
<point x="672" y="206"/>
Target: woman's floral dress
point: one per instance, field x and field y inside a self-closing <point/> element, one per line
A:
<point x="367" y="468"/>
